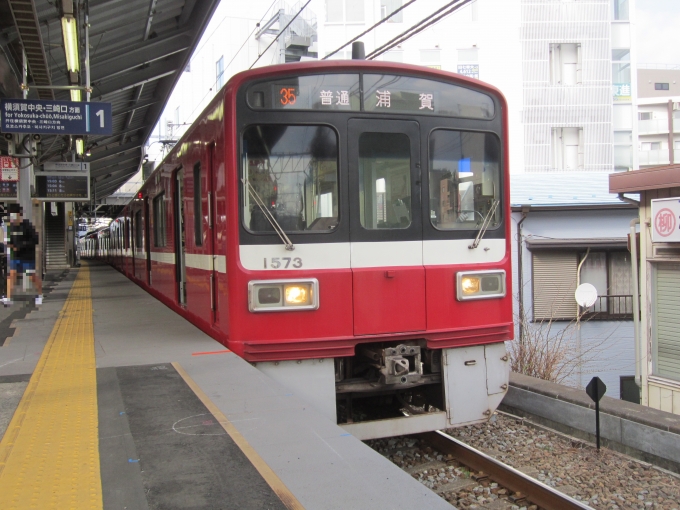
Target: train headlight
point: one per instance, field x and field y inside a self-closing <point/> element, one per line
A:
<point x="283" y="295"/>
<point x="480" y="284"/>
<point x="469" y="285"/>
<point x="297" y="294"/>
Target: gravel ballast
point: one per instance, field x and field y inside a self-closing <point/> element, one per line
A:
<point x="603" y="479"/>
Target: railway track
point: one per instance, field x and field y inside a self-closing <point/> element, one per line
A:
<point x="526" y="490"/>
<point x="467" y="477"/>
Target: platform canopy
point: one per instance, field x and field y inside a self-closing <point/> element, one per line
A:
<point x="138" y="50"/>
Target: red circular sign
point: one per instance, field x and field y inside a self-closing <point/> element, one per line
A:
<point x="664" y="222"/>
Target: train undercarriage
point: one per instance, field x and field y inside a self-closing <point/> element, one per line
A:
<point x="397" y="388"/>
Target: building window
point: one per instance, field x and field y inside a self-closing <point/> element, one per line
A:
<point x="623" y="151"/>
<point x="159" y="230"/>
<point x="565" y="64"/>
<point x="387" y="7"/>
<point x="650" y="146"/>
<point x="645" y="116"/>
<point x="393" y="56"/>
<point x="468" y="55"/>
<point x="555" y="277"/>
<point x="348" y="11"/>
<point x="433" y="56"/>
<point x="567" y="148"/>
<point x="620" y="10"/>
<point x="219" y="72"/>
<point x="661" y="86"/>
<point x="621" y="55"/>
<point x="198" y="206"/>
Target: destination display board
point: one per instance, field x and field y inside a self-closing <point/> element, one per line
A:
<point x="315" y="92"/>
<point x="63" y="186"/>
<point x="382" y="93"/>
<point x="406" y="94"/>
<point x="55" y="117"/>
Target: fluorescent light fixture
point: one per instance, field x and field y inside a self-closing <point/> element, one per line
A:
<point x="80" y="146"/>
<point x="76" y="95"/>
<point x="69" y="27"/>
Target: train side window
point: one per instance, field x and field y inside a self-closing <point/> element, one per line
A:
<point x="464" y="179"/>
<point x="198" y="206"/>
<point x="384" y="180"/>
<point x="291" y="173"/>
<point x="126" y="234"/>
<point x="139" y="237"/>
<point x="159" y="237"/>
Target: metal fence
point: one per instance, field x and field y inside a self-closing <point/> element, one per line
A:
<point x="614" y="307"/>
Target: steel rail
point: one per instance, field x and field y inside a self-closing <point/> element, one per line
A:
<point x="538" y="493"/>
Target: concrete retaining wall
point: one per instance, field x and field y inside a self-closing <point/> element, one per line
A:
<point x="641" y="432"/>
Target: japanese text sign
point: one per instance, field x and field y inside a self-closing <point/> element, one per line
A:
<point x="9" y="169"/>
<point x="55" y="117"/>
<point x="666" y="220"/>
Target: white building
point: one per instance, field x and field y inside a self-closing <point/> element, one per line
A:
<point x="658" y="115"/>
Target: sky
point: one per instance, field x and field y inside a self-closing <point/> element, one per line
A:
<point x="658" y="27"/>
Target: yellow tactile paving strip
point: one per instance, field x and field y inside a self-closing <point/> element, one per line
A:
<point x="49" y="456"/>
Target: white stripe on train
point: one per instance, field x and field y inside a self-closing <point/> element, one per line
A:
<point x="348" y="255"/>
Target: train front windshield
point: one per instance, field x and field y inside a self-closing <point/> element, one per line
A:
<point x="441" y="168"/>
<point x="464" y="179"/>
<point x="292" y="173"/>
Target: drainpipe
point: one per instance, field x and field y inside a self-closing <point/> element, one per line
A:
<point x="520" y="275"/>
<point x="636" y="300"/>
<point x="636" y="291"/>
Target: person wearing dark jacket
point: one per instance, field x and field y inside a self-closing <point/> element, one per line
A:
<point x="22" y="242"/>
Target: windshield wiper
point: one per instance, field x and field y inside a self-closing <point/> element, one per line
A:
<point x="485" y="224"/>
<point x="270" y="217"/>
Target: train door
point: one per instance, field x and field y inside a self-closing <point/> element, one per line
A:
<point x="138" y="241"/>
<point x="147" y="240"/>
<point x="386" y="238"/>
<point x="180" y="238"/>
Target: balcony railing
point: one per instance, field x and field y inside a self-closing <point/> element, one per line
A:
<point x="611" y="308"/>
<point x="657" y="157"/>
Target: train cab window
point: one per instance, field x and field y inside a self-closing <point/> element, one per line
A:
<point x="384" y="180"/>
<point x="464" y="179"/>
<point x="291" y="177"/>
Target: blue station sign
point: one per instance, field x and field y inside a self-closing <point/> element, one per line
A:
<point x="55" y="117"/>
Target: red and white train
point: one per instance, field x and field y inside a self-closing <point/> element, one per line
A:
<point x="345" y="227"/>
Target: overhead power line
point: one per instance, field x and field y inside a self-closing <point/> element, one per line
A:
<point x="430" y="20"/>
<point x="368" y="30"/>
<point x="280" y="33"/>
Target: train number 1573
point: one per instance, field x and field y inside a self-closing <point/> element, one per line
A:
<point x="283" y="263"/>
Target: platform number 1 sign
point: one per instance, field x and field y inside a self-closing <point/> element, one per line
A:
<point x="98" y="118"/>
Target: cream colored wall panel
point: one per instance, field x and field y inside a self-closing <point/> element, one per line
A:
<point x="666" y="400"/>
<point x="654" y="396"/>
<point x="676" y="402"/>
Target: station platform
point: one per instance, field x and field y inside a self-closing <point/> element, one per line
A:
<point x="110" y="400"/>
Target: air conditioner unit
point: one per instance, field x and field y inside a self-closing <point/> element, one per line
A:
<point x="676" y="106"/>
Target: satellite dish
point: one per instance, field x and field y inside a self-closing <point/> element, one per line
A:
<point x="586" y="295"/>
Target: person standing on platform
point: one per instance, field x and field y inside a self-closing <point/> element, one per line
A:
<point x="22" y="242"/>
